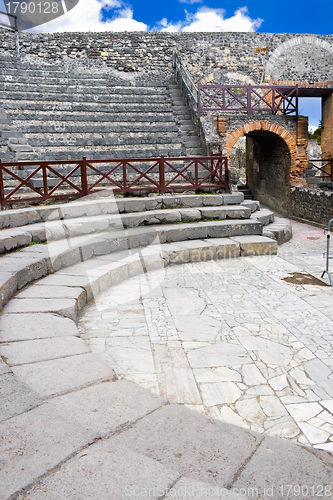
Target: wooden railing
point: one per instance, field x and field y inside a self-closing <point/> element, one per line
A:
<point x="43" y="180"/>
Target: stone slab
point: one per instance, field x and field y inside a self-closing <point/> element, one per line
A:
<point x="199" y="250"/>
<point x="90" y="284"/>
<point x="256" y="245"/>
<point x="188" y="489"/>
<point x="3" y="367"/>
<point x="8" y="286"/>
<point x="26" y="268"/>
<point x="108" y="406"/>
<point x="44" y="291"/>
<point x="279" y="463"/>
<point x="28" y="326"/>
<point x="15" y="396"/>
<point x="59" y="376"/>
<point x="32" y="351"/>
<point x="232" y="199"/>
<point x="64" y="307"/>
<point x="252" y="204"/>
<point x="30" y="446"/>
<point x="198" y="447"/>
<point x="230" y="228"/>
<point x="225" y="247"/>
<point x="105" y="471"/>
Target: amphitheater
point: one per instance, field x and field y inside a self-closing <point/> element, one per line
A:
<point x="165" y="332"/>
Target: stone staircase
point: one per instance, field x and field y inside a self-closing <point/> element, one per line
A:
<point x="169" y="229"/>
<point x="50" y="113"/>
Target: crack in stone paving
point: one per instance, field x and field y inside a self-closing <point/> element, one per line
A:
<point x="228" y="338"/>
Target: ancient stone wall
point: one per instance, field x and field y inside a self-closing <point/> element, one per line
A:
<point x="210" y="57"/>
<point x="311" y="204"/>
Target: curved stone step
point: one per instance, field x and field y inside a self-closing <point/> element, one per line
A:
<point x="31" y="263"/>
<point x="11" y="239"/>
<point x="280" y="230"/>
<point x="97" y="205"/>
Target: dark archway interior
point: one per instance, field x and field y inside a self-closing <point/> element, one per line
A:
<point x="268" y="168"/>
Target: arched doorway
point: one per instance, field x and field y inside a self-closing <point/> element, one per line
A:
<point x="268" y="162"/>
<point x="271" y="160"/>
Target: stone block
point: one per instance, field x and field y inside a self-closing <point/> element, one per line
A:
<point x="256" y="245"/>
<point x="26" y="268"/>
<point x="185" y="232"/>
<point x="107" y="406"/>
<point x="62" y="375"/>
<point x="179" y="438"/>
<point x="232" y="199"/>
<point x="253" y="205"/>
<point x="199" y="250"/>
<point x="8" y="286"/>
<point x="63" y="307"/>
<point x="55" y="292"/>
<point x="16" y="397"/>
<point x="264" y="216"/>
<point x="89" y="284"/>
<point x="32" y="351"/>
<point x="277" y="463"/>
<point x="221" y="229"/>
<point x="225" y="248"/>
<point x="30" y="446"/>
<point x="114" y="472"/>
<point x="190" y="214"/>
<point x="26" y="326"/>
<point x="212" y="200"/>
<point x="3" y="367"/>
<point x="174" y="254"/>
<point x="186" y="489"/>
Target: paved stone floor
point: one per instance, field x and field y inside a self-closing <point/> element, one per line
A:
<point x="247" y="341"/>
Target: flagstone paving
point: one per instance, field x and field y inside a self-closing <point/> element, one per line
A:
<point x="246" y="341"/>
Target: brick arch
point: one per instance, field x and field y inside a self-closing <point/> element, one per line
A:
<point x="289" y="138"/>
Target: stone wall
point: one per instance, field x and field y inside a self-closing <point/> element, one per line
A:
<point x="311" y="204"/>
<point x="211" y="57"/>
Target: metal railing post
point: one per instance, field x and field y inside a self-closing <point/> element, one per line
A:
<point x="327" y="270"/>
<point x="84" y="178"/>
<point x="2" y="191"/>
<point x="161" y="164"/>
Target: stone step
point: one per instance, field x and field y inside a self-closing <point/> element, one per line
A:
<point x="74" y="117"/>
<point x="54" y="127"/>
<point x="98" y="204"/>
<point x="89" y="140"/>
<point x="39" y="85"/>
<point x="84" y="96"/>
<point x="31" y="263"/>
<point x="85" y="105"/>
<point x="50" y="230"/>
<point x="100" y="153"/>
<point x="120" y="150"/>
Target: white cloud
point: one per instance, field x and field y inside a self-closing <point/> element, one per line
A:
<point x="206" y="19"/>
<point x="87" y="16"/>
<point x="190" y="1"/>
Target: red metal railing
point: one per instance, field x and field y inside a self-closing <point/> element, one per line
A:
<point x="324" y="168"/>
<point x="248" y="98"/>
<point x="132" y="175"/>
